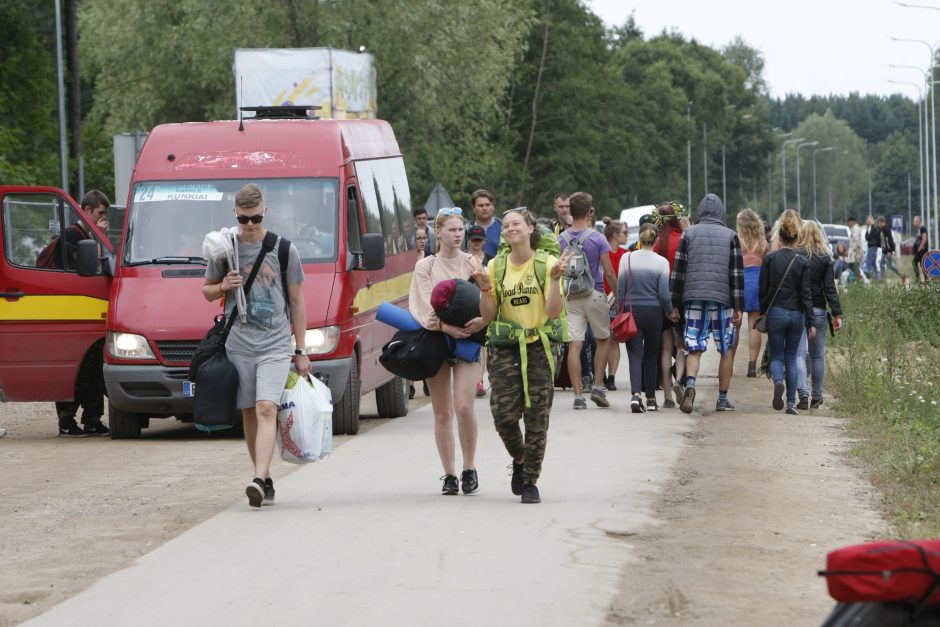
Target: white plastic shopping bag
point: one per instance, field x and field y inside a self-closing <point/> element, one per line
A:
<point x="305" y="420"/>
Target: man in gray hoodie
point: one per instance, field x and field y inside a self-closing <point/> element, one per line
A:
<point x="707" y="284"/>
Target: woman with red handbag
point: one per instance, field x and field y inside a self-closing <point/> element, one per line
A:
<point x="644" y="284"/>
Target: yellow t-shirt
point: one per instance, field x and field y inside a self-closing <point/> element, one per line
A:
<point x="523" y="301"/>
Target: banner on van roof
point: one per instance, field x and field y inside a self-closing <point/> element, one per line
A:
<point x="341" y="82"/>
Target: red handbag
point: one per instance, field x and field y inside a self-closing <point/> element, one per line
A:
<point x="887" y="571"/>
<point x="623" y="326"/>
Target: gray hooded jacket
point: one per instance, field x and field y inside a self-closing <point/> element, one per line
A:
<point x="708" y="263"/>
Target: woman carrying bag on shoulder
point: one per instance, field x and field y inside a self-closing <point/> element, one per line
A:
<point x="452" y="388"/>
<point x="526" y="306"/>
<point x="786" y="302"/>
<point x="644" y="284"/>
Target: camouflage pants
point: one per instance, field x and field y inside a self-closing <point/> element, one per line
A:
<point x="507" y="402"/>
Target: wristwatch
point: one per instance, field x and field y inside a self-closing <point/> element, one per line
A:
<point x="301" y="351"/>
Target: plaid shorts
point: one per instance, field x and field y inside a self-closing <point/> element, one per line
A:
<point x="704" y="317"/>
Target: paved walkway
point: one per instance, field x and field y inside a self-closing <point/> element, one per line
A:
<point x="366" y="539"/>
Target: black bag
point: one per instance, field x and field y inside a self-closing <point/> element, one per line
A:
<point x="463" y="306"/>
<point x="216" y="379"/>
<point x="416" y="355"/>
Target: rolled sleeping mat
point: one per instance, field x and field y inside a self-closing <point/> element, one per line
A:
<point x="403" y="320"/>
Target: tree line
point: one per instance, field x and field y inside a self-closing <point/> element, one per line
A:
<point x="524" y="97"/>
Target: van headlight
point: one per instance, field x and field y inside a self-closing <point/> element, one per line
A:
<point x="321" y="341"/>
<point x="129" y="346"/>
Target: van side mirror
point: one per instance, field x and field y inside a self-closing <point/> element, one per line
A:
<point x="373" y="252"/>
<point x="88" y="260"/>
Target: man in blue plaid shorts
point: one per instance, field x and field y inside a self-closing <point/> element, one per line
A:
<point x="708" y="287"/>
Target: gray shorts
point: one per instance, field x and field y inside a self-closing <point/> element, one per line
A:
<point x="260" y="377"/>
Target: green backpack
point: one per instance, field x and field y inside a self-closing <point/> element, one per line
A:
<point x="506" y="333"/>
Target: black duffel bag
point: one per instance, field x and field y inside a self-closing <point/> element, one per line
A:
<point x="416" y="355"/>
<point x="216" y="379"/>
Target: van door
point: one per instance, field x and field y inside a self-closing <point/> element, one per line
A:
<point x="49" y="316"/>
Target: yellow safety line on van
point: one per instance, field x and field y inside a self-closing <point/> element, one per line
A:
<point x="53" y="308"/>
<point x="369" y="298"/>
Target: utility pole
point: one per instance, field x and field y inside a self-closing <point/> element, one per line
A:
<point x="705" y="153"/>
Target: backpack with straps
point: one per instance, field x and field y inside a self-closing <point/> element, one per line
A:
<point x="579" y="280"/>
<point x="504" y="333"/>
<point x="50" y="256"/>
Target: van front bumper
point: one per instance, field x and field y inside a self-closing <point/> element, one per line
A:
<point x="158" y="390"/>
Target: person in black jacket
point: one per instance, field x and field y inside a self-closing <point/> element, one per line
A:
<point x="785" y="299"/>
<point x="873" y="240"/>
<point x="819" y="278"/>
<point x="920" y="249"/>
<point x="888" y="249"/>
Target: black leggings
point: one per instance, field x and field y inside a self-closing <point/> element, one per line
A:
<point x="643" y="350"/>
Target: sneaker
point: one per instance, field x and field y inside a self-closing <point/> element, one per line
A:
<point x="586" y="382"/>
<point x="636" y="404"/>
<point x="792" y="411"/>
<point x="688" y="399"/>
<point x="669" y="404"/>
<point x="72" y="431"/>
<point x="517" y="479"/>
<point x="651" y="404"/>
<point x="450" y="485"/>
<point x="609" y="384"/>
<point x="97" y="428"/>
<point x="3" y="432"/>
<point x="268" y="492"/>
<point x="580" y="403"/>
<point x="424" y="385"/>
<point x="804" y="403"/>
<point x="599" y="397"/>
<point x="480" y="391"/>
<point x="723" y="404"/>
<point x="815" y="403"/>
<point x="751" y="370"/>
<point x="530" y="494"/>
<point x="678" y="390"/>
<point x="777" y="403"/>
<point x="255" y="492"/>
<point x="411" y="392"/>
<point x="469" y="482"/>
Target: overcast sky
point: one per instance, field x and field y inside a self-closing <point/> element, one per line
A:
<point x="809" y="46"/>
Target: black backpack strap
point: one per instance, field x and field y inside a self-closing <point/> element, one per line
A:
<point x="283" y="258"/>
<point x="267" y="245"/>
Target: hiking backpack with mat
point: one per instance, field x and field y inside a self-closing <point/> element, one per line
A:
<point x="579" y="280"/>
<point x="214" y="375"/>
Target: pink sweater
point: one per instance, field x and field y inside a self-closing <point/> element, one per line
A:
<point x="429" y="272"/>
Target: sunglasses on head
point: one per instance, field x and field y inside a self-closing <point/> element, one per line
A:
<point x="255" y="219"/>
<point x="451" y="211"/>
<point x="522" y="210"/>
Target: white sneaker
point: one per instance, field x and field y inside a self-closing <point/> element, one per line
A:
<point x="3" y="432"/>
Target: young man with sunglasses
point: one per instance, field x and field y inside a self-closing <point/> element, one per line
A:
<point x="260" y="347"/>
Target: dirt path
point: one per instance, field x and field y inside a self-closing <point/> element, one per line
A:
<point x="75" y="510"/>
<point x="757" y="500"/>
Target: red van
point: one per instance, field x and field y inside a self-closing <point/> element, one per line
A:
<point x="336" y="188"/>
<point x="51" y="319"/>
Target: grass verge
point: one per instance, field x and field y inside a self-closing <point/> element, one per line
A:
<point x="885" y="368"/>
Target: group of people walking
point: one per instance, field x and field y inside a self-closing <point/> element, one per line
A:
<point x="683" y="285"/>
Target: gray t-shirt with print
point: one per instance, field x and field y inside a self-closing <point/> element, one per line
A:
<point x="267" y="328"/>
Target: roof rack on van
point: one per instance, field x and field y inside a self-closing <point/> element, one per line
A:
<point x="284" y="112"/>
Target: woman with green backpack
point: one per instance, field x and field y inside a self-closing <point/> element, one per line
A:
<point x="526" y="308"/>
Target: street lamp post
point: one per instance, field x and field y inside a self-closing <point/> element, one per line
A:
<point x="921" y="129"/>
<point x="783" y="155"/>
<point x="799" y="204"/>
<point x="826" y="149"/>
<point x="688" y="115"/>
<point x="704" y="155"/>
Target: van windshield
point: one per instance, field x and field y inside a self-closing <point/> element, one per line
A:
<point x="168" y="220"/>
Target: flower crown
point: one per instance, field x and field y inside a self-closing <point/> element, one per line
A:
<point x="677" y="207"/>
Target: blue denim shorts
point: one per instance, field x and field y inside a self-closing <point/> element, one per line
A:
<point x="704" y="318"/>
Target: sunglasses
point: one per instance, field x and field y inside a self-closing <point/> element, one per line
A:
<point x="451" y="211"/>
<point x="255" y="219"/>
<point x="522" y="210"/>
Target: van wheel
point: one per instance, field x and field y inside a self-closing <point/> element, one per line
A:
<point x="391" y="399"/>
<point x="346" y="411"/>
<point x="124" y="425"/>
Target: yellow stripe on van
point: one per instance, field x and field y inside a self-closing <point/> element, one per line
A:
<point x="53" y="308"/>
<point x="369" y="298"/>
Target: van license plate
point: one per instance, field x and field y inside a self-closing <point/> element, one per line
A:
<point x="189" y="389"/>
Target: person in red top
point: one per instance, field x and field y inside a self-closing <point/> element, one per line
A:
<point x="616" y="233"/>
<point x="668" y="219"/>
